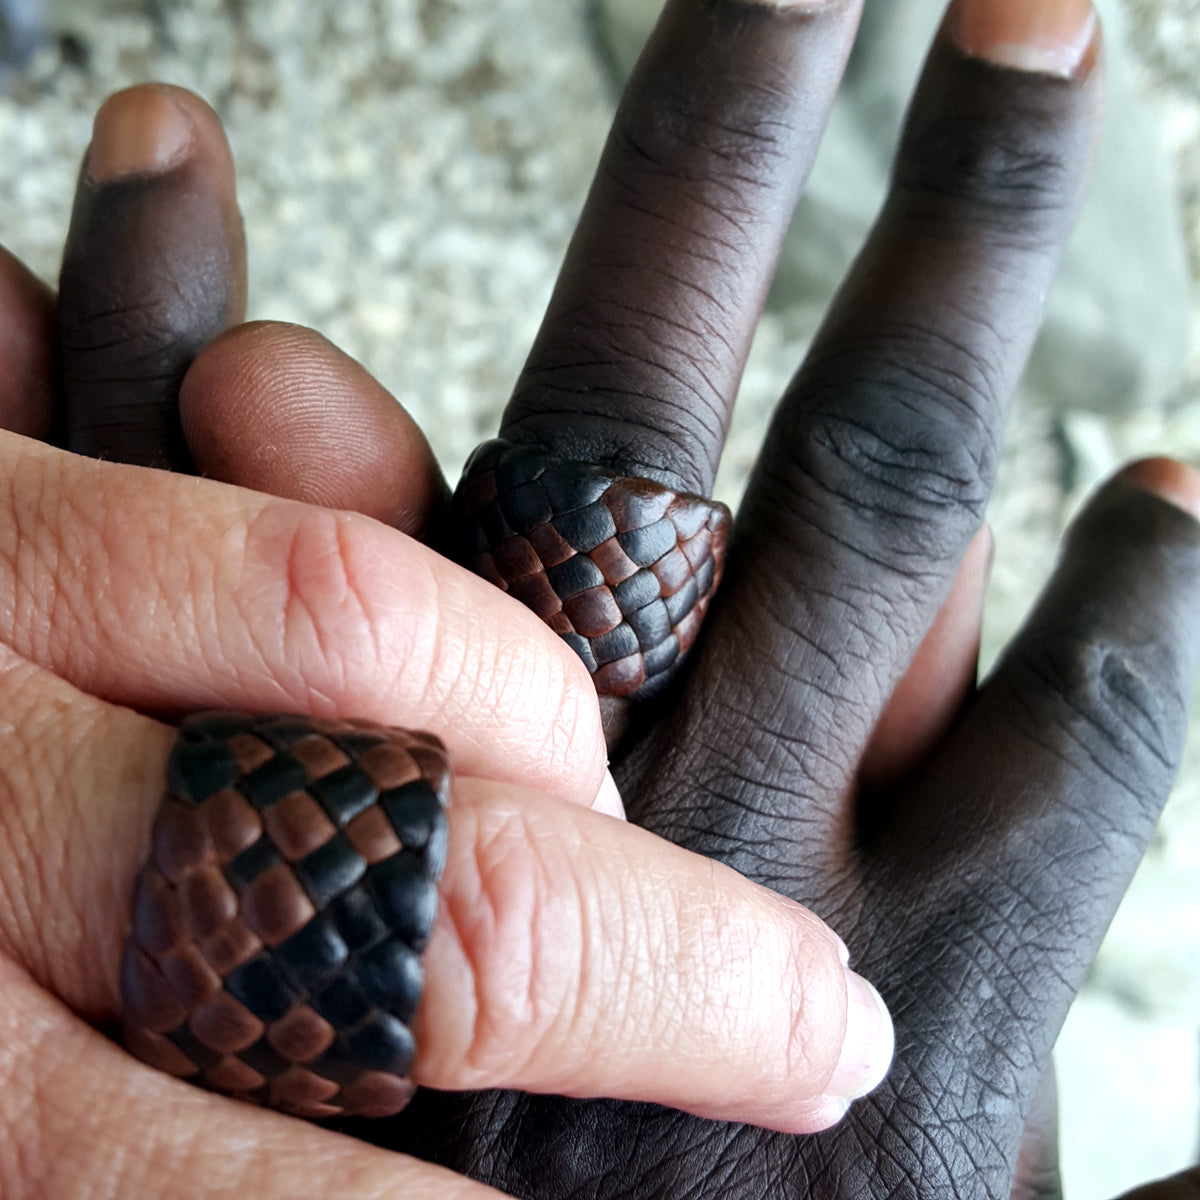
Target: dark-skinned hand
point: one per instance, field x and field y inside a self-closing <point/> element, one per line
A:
<point x="826" y="740"/>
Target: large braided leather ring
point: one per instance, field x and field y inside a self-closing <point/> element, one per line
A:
<point x="278" y="924"/>
<point x="623" y="568"/>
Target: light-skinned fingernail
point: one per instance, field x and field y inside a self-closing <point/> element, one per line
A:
<point x="1167" y="478"/>
<point x="870" y="1042"/>
<point x="843" y="950"/>
<point x="608" y="798"/>
<point x="1049" y="37"/>
<point x="825" y="1114"/>
<point x="140" y="131"/>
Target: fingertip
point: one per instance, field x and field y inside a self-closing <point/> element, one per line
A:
<point x="1168" y="479"/>
<point x="138" y="131"/>
<point x="1058" y="39"/>
<point x="869" y="1043"/>
<point x="863" y="1062"/>
<point x="150" y="128"/>
<point x="280" y="409"/>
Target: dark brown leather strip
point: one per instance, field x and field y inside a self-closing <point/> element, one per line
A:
<point x="278" y="925"/>
<point x="622" y="568"/>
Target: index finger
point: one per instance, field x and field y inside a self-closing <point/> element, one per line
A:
<point x="168" y="593"/>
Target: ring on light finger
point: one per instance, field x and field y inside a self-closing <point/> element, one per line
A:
<point x="278" y="925"/>
<point x="290" y="944"/>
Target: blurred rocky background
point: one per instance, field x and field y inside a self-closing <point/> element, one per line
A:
<point x="410" y="173"/>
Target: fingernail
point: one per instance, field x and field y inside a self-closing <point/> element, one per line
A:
<point x="825" y="1114"/>
<point x="1167" y="478"/>
<point x="870" y="1042"/>
<point x="139" y="131"/>
<point x="1049" y="37"/>
<point x="843" y="950"/>
<point x="608" y="798"/>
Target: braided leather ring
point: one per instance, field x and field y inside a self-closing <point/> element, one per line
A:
<point x="279" y="921"/>
<point x="622" y="568"/>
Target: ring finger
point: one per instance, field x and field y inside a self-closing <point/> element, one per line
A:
<point x="588" y="506"/>
<point x="638" y="361"/>
<point x="552" y="967"/>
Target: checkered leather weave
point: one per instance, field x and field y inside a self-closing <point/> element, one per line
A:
<point x="278" y="924"/>
<point x="622" y="568"/>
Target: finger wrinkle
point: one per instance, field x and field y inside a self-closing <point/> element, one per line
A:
<point x="24" y="1038"/>
<point x="509" y="891"/>
<point x="323" y="600"/>
<point x="1104" y="706"/>
<point x="704" y="164"/>
<point x="921" y="369"/>
<point x="696" y="345"/>
<point x="493" y="667"/>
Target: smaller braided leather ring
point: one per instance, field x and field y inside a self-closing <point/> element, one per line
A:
<point x="622" y="568"/>
<point x="278" y="924"/>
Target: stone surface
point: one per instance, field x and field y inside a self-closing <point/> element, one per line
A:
<point x="410" y="171"/>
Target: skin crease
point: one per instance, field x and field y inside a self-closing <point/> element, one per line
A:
<point x="979" y="887"/>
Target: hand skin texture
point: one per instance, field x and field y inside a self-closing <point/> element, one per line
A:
<point x="827" y="740"/>
<point x="574" y="953"/>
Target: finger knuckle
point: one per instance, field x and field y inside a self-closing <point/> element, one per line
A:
<point x="1109" y="704"/>
<point x="116" y="348"/>
<point x="109" y="334"/>
<point x="1016" y="177"/>
<point x="905" y="441"/>
<point x="520" y="926"/>
<point x="318" y="598"/>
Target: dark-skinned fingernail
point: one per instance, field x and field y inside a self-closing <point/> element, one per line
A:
<point x="869" y="1045"/>
<point x="1167" y="478"/>
<point x="1048" y="37"/>
<point x="140" y="131"/>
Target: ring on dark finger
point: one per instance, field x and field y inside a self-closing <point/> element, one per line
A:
<point x="622" y="568"/>
<point x="279" y="922"/>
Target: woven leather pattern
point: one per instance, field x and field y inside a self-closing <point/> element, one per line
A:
<point x="622" y="568"/>
<point x="278" y="924"/>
